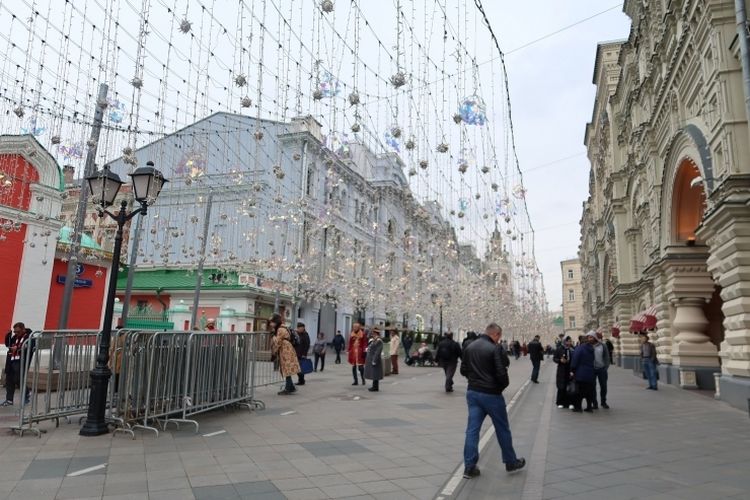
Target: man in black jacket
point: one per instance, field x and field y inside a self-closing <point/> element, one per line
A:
<point x="16" y="340"/>
<point x="484" y="365"/>
<point x="536" y="355"/>
<point x="302" y="348"/>
<point x="448" y="354"/>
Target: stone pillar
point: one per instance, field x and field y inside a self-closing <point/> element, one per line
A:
<point x="662" y="338"/>
<point x="630" y="351"/>
<point x="726" y="229"/>
<point x="689" y="287"/>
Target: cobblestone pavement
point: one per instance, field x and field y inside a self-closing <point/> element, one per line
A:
<point x="330" y="440"/>
<point x="667" y="445"/>
<point x="333" y="440"/>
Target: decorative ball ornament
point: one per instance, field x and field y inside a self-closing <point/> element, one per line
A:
<point x="296" y="156"/>
<point x="55" y="139"/>
<point x="473" y="111"/>
<point x="240" y="80"/>
<point x="19" y="111"/>
<point x="412" y="172"/>
<point x="457" y="118"/>
<point x="410" y="144"/>
<point x="356" y="128"/>
<point x="127" y="150"/>
<point x="246" y="102"/>
<point x="463" y="166"/>
<point x="398" y="79"/>
<point x="353" y="98"/>
<point x="326" y="6"/>
<point x="495" y="186"/>
<point x="91" y="143"/>
<point x="278" y="172"/>
<point x="396" y="131"/>
<point x="185" y="26"/>
<point x="442" y="148"/>
<point x="258" y="135"/>
<point x="461" y="215"/>
<point x="317" y="94"/>
<point x="519" y="191"/>
<point x="477" y="196"/>
<point x="423" y="164"/>
<point x="136" y="82"/>
<point x="485" y="169"/>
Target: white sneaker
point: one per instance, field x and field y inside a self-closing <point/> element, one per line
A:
<point x="560" y="406"/>
<point x="571" y="407"/>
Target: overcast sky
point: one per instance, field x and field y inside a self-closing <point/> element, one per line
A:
<point x="552" y="98"/>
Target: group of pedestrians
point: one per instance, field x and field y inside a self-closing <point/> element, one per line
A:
<point x="580" y="369"/>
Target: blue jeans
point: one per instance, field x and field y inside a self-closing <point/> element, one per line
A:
<point x="649" y="368"/>
<point x="535" y="370"/>
<point x="481" y="405"/>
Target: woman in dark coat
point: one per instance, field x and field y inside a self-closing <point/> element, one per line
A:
<point x="582" y="367"/>
<point x="374" y="361"/>
<point x="563" y="356"/>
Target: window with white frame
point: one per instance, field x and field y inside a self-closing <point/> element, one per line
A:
<point x="572" y="321"/>
<point x="571" y="295"/>
<point x="570" y="274"/>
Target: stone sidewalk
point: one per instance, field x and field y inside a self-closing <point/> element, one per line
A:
<point x="667" y="445"/>
<point x="331" y="440"/>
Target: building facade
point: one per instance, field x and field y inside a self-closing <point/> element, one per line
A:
<point x="664" y="232"/>
<point x="332" y="226"/>
<point x="572" y="294"/>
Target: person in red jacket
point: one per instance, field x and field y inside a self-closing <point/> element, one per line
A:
<point x="357" y="351"/>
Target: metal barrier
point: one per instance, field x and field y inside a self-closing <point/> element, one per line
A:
<point x="158" y="377"/>
<point x="55" y="368"/>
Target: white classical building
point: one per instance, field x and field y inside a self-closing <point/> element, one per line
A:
<point x="277" y="207"/>
<point x="666" y="230"/>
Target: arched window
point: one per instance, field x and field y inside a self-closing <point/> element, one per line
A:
<point x="687" y="202"/>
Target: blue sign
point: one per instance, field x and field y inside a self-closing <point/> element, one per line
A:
<point x="78" y="283"/>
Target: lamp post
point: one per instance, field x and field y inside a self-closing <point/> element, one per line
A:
<point x="440" y="301"/>
<point x="104" y="186"/>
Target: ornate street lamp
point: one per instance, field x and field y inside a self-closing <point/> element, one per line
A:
<point x="104" y="186"/>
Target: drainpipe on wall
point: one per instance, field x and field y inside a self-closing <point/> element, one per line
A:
<point x="742" y="36"/>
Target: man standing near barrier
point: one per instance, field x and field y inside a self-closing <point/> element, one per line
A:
<point x="14" y="341"/>
<point x="283" y="351"/>
<point x="302" y="349"/>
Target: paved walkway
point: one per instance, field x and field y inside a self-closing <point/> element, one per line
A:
<point x="333" y="440"/>
<point x="667" y="445"/>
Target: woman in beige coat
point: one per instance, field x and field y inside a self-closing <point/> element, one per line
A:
<point x="283" y="351"/>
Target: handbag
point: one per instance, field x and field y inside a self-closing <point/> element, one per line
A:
<point x="572" y="388"/>
<point x="306" y="365"/>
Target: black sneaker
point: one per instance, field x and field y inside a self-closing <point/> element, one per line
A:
<point x="517" y="465"/>
<point x="471" y="472"/>
<point x="284" y="393"/>
<point x="605" y="406"/>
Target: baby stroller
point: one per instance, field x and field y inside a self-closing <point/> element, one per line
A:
<point x="424" y="359"/>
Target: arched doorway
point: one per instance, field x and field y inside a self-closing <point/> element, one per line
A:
<point x="688" y="202"/>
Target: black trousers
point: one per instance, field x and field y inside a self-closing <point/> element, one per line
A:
<point x="338" y="356"/>
<point x="562" y="396"/>
<point x="13" y="380"/>
<point x="322" y="359"/>
<point x="361" y="373"/>
<point x="585" y="391"/>
<point x="450" y="371"/>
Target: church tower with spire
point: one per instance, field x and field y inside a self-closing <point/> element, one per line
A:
<point x="498" y="264"/>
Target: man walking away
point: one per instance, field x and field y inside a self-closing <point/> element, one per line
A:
<point x="470" y="337"/>
<point x="395" y="344"/>
<point x="484" y="367"/>
<point x="649" y="360"/>
<point x="517" y="349"/>
<point x="536" y="355"/>
<point x="302" y="349"/>
<point x="582" y="368"/>
<point x="601" y="365"/>
<point x="407" y="342"/>
<point x="338" y="346"/>
<point x="448" y="354"/>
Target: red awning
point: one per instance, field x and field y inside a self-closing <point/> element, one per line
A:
<point x="636" y="322"/>
<point x="616" y="331"/>
<point x="649" y="318"/>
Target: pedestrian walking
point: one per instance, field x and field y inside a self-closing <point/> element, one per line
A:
<point x="484" y="367"/>
<point x="563" y="356"/>
<point x="407" y="342"/>
<point x="17" y="340"/>
<point x="319" y="351"/>
<point x="394" y="345"/>
<point x="357" y="349"/>
<point x="536" y="355"/>
<point x="649" y="362"/>
<point x="470" y="337"/>
<point x="338" y="346"/>
<point x="601" y="366"/>
<point x="374" y="361"/>
<point x="516" y="349"/>
<point x="582" y="369"/>
<point x="284" y="353"/>
<point x="447" y="356"/>
<point x="302" y="349"/>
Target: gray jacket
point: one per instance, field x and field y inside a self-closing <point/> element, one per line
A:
<point x="601" y="347"/>
<point x="374" y="360"/>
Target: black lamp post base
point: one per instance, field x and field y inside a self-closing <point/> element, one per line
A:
<point x="96" y="424"/>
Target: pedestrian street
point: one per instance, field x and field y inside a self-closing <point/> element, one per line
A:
<point x="333" y="440"/>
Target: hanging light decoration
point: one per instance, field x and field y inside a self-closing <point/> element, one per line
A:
<point x="442" y="148"/>
<point x="246" y="102"/>
<point x="398" y="79"/>
<point x="354" y="98"/>
<point x="185" y="26"/>
<point x="326" y="6"/>
<point x="473" y="111"/>
<point x="240" y="80"/>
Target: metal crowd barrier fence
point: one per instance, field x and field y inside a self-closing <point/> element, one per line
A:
<point x="157" y="377"/>
<point x="55" y="368"/>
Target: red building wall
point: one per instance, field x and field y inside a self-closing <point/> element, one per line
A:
<point x="17" y="195"/>
<point x="11" y="251"/>
<point x="87" y="305"/>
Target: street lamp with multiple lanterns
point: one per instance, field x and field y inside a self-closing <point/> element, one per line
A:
<point x="104" y="185"/>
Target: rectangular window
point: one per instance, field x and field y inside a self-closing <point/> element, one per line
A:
<point x="572" y="321"/>
<point x="570" y="274"/>
<point x="571" y="295"/>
